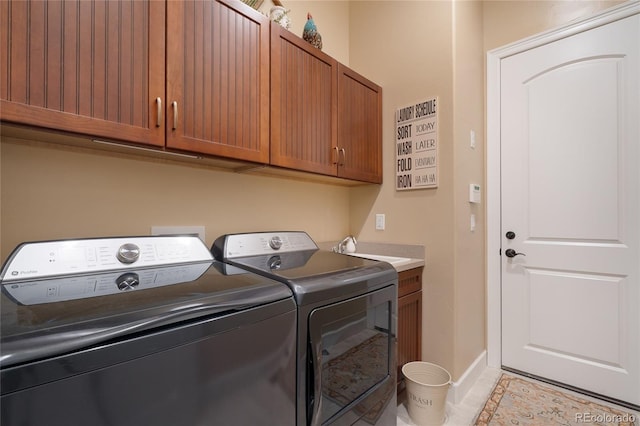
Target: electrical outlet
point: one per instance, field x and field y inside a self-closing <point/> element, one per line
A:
<point x="380" y="222"/>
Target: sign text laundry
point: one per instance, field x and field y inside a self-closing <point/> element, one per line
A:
<point x="417" y="145"/>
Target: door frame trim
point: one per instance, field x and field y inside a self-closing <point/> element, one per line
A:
<point x="493" y="212"/>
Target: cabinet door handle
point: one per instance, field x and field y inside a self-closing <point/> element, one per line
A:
<point x="344" y="156"/>
<point x="337" y="155"/>
<point x="174" y="106"/>
<point x="158" y="112"/>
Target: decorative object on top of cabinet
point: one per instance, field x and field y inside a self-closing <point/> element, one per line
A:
<point x="310" y="33"/>
<point x="280" y="16"/>
<point x="409" y="319"/>
<point x="253" y="3"/>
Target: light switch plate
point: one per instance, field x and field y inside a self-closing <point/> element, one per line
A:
<point x="380" y="222"/>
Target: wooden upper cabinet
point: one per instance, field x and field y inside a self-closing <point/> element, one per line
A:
<point x="213" y="77"/>
<point x="92" y="66"/>
<point x="359" y="127"/>
<point x="303" y="105"/>
<point x="325" y="118"/>
<point x="218" y="79"/>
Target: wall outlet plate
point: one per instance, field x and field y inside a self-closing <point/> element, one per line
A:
<point x="380" y="222"/>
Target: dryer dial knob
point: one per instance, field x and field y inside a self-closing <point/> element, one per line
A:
<point x="128" y="253"/>
<point x="275" y="262"/>
<point x="275" y="242"/>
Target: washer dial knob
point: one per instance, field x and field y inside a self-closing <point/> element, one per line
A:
<point x="128" y="253"/>
<point x="275" y="242"/>
<point x="126" y="282"/>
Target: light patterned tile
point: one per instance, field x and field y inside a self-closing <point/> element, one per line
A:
<point x="466" y="411"/>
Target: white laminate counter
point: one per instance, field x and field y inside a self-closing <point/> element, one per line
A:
<point x="401" y="256"/>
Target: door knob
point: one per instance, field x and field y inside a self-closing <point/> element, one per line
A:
<point x="510" y="235"/>
<point x="512" y="253"/>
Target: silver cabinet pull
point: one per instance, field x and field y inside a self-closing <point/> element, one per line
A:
<point x="174" y="105"/>
<point x="344" y="156"/>
<point x="337" y="155"/>
<point x="158" y="112"/>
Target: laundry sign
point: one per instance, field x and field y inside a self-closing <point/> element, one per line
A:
<point x="417" y="145"/>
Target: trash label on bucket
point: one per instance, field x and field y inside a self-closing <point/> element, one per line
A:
<point x="427" y="388"/>
<point x="421" y="400"/>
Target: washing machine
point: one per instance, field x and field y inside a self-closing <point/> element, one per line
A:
<point x="142" y="331"/>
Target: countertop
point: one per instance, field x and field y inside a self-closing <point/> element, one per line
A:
<point x="413" y="253"/>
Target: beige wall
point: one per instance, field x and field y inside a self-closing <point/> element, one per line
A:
<point x="51" y="192"/>
<point x="431" y="49"/>
<point x="469" y="294"/>
<point x="405" y="47"/>
<point x="414" y="50"/>
<point x="418" y="49"/>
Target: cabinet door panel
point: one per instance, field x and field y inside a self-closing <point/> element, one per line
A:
<point x="218" y="77"/>
<point x="92" y="67"/>
<point x="359" y="127"/>
<point x="303" y="105"/>
<point x="409" y="281"/>
<point x="409" y="329"/>
<point x="409" y="319"/>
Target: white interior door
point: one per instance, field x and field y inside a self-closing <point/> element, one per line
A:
<point x="570" y="194"/>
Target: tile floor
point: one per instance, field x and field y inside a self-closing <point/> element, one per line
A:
<point x="464" y="413"/>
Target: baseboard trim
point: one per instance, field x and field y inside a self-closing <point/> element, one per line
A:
<point x="460" y="388"/>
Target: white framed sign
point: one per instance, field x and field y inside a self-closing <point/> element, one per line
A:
<point x="417" y="145"/>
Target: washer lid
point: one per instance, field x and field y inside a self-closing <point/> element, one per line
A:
<point x="108" y="310"/>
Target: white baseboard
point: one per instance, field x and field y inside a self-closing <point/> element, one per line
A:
<point x="459" y="389"/>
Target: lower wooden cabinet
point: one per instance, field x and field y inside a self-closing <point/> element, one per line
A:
<point x="409" y="319"/>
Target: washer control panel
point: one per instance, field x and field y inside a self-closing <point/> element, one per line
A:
<point x="53" y="258"/>
<point x="260" y="243"/>
<point x="62" y="289"/>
